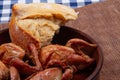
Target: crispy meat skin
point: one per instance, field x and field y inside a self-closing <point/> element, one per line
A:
<point x="4" y="71"/>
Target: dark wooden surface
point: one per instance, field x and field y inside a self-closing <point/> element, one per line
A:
<point x="101" y="21"/>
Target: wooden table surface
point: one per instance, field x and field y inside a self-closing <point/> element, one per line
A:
<point x="101" y="21"/>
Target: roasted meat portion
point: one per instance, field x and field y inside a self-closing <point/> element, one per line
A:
<point x="81" y="46"/>
<point x="51" y="62"/>
<point x="9" y="51"/>
<point x="4" y="71"/>
<point x="47" y="74"/>
<point x="57" y="55"/>
<point x="14" y="75"/>
<point x="70" y="58"/>
<point x="25" y="68"/>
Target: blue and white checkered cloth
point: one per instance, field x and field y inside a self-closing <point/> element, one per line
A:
<point x="6" y="5"/>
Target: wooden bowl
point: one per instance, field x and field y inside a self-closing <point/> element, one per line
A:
<point x="64" y="35"/>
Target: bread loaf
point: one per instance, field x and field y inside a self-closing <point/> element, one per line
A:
<point x="37" y="22"/>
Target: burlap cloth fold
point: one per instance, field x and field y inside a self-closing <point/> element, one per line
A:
<point x="102" y="22"/>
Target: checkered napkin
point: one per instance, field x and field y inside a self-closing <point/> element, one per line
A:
<point x="6" y="5"/>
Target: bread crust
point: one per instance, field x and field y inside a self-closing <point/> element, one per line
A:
<point x="46" y="10"/>
<point x="20" y="36"/>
